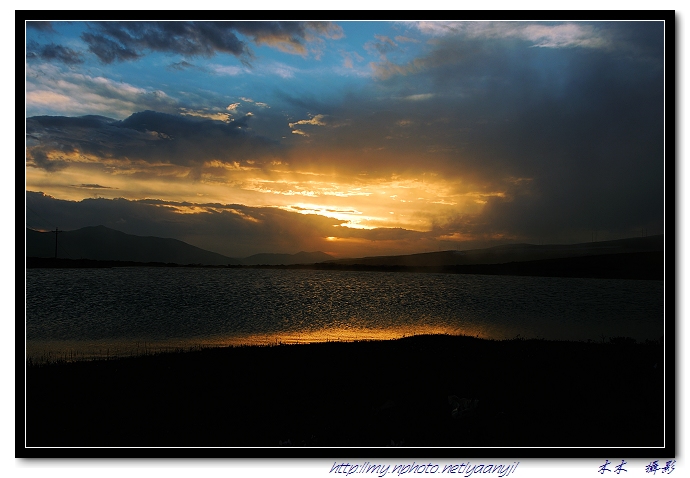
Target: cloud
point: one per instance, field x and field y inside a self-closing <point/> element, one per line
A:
<point x="403" y="39"/>
<point x="279" y="69"/>
<point x="182" y="65"/>
<point x="562" y="36"/>
<point x="52" y="52"/>
<point x="549" y="35"/>
<point x="641" y="39"/>
<point x="583" y="124"/>
<point x="50" y="90"/>
<point x="41" y="26"/>
<point x="91" y="186"/>
<point x="316" y="120"/>
<point x="234" y="230"/>
<point x="40" y="159"/>
<point x="108" y="50"/>
<point x="474" y="45"/>
<point x="436" y="28"/>
<point x="383" y="45"/>
<point x="289" y="37"/>
<point x="213" y="115"/>
<point x="386" y="69"/>
<point x="147" y="136"/>
<point x="326" y="29"/>
<point x="125" y="41"/>
<point x="122" y="41"/>
<point x="227" y="70"/>
<point x="419" y="97"/>
<point x="349" y="57"/>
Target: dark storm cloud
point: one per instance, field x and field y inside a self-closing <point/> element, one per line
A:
<point x="122" y="41"/>
<point x="108" y="50"/>
<point x="60" y="136"/>
<point x="91" y="186"/>
<point x="583" y="125"/>
<point x="182" y="65"/>
<point x="591" y="137"/>
<point x="643" y="41"/>
<point x="53" y="52"/>
<point x="40" y="158"/>
<point x="46" y="27"/>
<point x="146" y="136"/>
<point x="234" y="230"/>
<point x="231" y="229"/>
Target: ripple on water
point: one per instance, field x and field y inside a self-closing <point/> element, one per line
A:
<point x="181" y="307"/>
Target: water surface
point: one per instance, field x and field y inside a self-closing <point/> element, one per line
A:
<point x="122" y="311"/>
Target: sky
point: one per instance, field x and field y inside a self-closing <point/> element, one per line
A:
<point x="355" y="138"/>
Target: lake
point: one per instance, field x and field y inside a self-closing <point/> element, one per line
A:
<point x="83" y="313"/>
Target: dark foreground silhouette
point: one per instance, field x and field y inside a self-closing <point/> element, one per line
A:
<point x="405" y="392"/>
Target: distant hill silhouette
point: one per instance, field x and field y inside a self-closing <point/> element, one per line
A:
<point x="105" y="244"/>
<point x="513" y="253"/>
<point x="101" y="243"/>
<point x="286" y="259"/>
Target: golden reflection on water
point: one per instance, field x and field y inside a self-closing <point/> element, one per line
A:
<point x="69" y="351"/>
<point x="346" y="334"/>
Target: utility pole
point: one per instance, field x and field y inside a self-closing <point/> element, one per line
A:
<point x="56" y="232"/>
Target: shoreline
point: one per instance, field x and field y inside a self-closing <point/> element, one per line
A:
<point x="530" y="392"/>
<point x="59" y="352"/>
<point x="632" y="265"/>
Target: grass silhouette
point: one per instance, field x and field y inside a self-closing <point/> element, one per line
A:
<point x="529" y="392"/>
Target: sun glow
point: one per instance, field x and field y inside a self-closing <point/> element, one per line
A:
<point x="413" y="202"/>
<point x="351" y="217"/>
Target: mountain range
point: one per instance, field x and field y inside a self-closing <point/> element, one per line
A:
<point x="105" y="244"/>
<point x="513" y="253"/>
